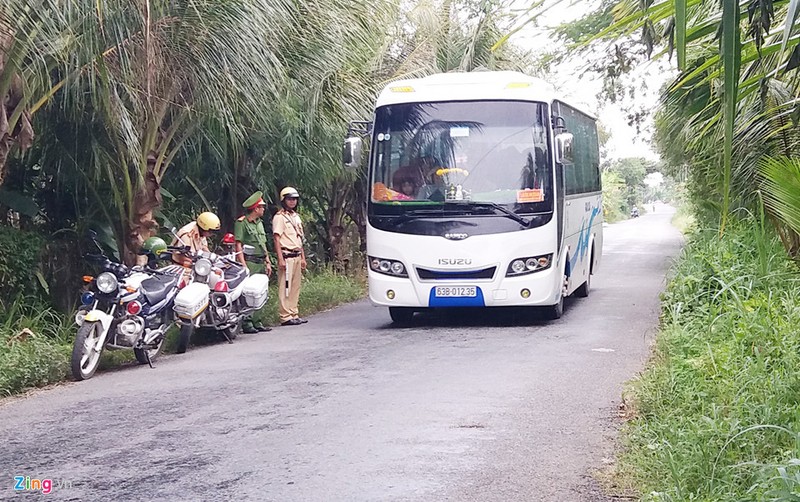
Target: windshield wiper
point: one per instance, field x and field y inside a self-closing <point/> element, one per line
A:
<point x="412" y="214"/>
<point x="494" y="205"/>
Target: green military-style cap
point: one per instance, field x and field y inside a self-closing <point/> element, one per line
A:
<point x="254" y="200"/>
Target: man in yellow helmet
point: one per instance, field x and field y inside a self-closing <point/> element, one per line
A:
<point x="287" y="231"/>
<point x="195" y="235"/>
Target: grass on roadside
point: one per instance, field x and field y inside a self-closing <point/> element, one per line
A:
<point x="684" y="220"/>
<point x="33" y="346"/>
<point x="718" y="409"/>
<point x="36" y="341"/>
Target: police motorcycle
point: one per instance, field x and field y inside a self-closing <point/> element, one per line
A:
<point x="219" y="296"/>
<point x="125" y="308"/>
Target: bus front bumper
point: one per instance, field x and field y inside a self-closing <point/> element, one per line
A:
<point x="536" y="289"/>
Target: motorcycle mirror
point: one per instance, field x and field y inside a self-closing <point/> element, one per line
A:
<point x="92" y="234"/>
<point x="175" y="233"/>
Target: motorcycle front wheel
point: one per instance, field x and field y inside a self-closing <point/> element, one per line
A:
<point x="87" y="350"/>
<point x="184" y="337"/>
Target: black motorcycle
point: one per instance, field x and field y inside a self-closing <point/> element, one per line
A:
<point x="124" y="308"/>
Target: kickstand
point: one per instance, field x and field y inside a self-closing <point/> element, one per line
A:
<point x="147" y="356"/>
<point x="225" y="334"/>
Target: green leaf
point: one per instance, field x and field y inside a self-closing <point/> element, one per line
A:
<point x="731" y="54"/>
<point x="43" y="281"/>
<point x="18" y="202"/>
<point x="791" y="17"/>
<point x="781" y="189"/>
<point x="165" y="221"/>
<point x="680" y="32"/>
<point x="794" y="59"/>
<point x="166" y="194"/>
<point x="199" y="193"/>
<point x="105" y="236"/>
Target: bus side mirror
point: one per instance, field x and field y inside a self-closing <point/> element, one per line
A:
<point x="564" y="148"/>
<point x="351" y="152"/>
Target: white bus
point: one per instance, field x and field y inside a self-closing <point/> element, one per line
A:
<point x="485" y="192"/>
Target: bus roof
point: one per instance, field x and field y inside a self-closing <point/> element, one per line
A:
<point x="468" y="86"/>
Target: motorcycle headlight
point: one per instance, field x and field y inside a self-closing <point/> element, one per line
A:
<point x="202" y="267"/>
<point x="107" y="282"/>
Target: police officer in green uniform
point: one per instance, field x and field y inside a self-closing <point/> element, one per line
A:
<point x="249" y="230"/>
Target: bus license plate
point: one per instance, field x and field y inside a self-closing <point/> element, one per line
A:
<point x="456" y="291"/>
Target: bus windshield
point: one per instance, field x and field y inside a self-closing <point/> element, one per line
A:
<point x="467" y="151"/>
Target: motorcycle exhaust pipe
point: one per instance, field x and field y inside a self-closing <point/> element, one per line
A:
<point x="152" y="335"/>
<point x="131" y="327"/>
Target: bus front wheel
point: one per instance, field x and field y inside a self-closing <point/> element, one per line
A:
<point x="583" y="289"/>
<point x="557" y="310"/>
<point x="401" y="315"/>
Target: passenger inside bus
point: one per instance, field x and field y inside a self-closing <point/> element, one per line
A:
<point x="407" y="187"/>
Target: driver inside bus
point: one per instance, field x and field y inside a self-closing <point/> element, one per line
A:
<point x="432" y="186"/>
<point x="418" y="171"/>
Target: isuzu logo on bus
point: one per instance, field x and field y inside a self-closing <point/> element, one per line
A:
<point x="456" y="236"/>
<point x="455" y="261"/>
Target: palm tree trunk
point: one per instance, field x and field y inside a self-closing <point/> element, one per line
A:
<point x="142" y="224"/>
<point x="335" y="222"/>
<point x="13" y="132"/>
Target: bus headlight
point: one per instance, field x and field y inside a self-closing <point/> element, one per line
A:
<point x="388" y="267"/>
<point x="528" y="265"/>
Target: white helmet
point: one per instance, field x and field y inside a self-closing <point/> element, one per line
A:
<point x="290" y="192"/>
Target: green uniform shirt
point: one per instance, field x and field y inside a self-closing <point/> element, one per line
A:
<point x="252" y="233"/>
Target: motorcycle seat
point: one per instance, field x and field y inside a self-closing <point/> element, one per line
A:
<point x="156" y="288"/>
<point x="234" y="275"/>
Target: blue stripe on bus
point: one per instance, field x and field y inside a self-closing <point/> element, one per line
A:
<point x="583" y="239"/>
<point x="470" y="301"/>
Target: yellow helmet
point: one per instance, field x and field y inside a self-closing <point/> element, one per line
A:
<point x="289" y="192"/>
<point x="208" y="221"/>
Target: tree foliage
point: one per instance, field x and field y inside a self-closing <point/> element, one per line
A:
<point x="734" y="101"/>
<point x="146" y="112"/>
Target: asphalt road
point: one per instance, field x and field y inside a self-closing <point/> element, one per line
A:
<point x="487" y="405"/>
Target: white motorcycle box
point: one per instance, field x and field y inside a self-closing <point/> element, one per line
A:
<point x="256" y="290"/>
<point x="191" y="300"/>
